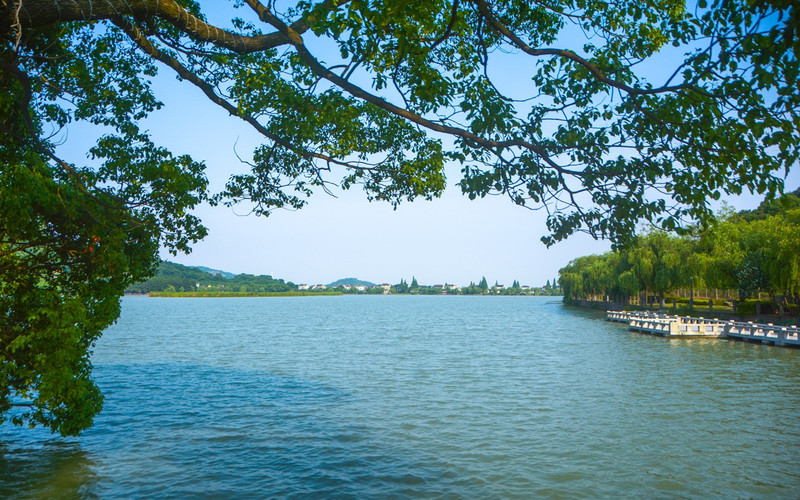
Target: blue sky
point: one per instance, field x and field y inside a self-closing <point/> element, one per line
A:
<point x="450" y="239"/>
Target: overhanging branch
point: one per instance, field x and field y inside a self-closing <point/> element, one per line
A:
<point x="35" y="14"/>
<point x="147" y="47"/>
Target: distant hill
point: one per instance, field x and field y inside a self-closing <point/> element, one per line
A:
<point x="172" y="277"/>
<point x="216" y="272"/>
<point x="351" y="282"/>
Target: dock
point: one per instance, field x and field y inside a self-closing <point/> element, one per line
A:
<point x="665" y="325"/>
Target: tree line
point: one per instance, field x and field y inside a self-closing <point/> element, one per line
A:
<point x="172" y="278"/>
<point x="748" y="252"/>
<point x="482" y="288"/>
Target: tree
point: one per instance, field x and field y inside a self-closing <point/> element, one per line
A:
<point x="771" y="260"/>
<point x="655" y="260"/>
<point x="483" y="285"/>
<point x="758" y="250"/>
<point x="597" y="278"/>
<point x="596" y="143"/>
<point x="586" y="278"/>
<point x="721" y="251"/>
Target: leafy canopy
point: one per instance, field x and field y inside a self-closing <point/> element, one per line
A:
<point x="399" y="89"/>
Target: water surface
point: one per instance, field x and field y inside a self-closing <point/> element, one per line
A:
<point x="400" y="396"/>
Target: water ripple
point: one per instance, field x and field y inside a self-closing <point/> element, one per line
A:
<point x="401" y="397"/>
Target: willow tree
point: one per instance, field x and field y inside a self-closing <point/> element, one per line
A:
<point x="656" y="260"/>
<point x="721" y="253"/>
<point x="384" y="97"/>
<point x="771" y="262"/>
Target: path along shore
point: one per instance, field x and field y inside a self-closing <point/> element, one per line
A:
<point x="666" y="325"/>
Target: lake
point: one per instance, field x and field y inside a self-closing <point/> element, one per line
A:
<point x="406" y="396"/>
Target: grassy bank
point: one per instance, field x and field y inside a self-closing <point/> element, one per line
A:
<point x="241" y="294"/>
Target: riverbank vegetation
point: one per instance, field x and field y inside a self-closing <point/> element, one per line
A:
<point x="176" y="280"/>
<point x="292" y="293"/>
<point x="747" y="261"/>
<point x="482" y="288"/>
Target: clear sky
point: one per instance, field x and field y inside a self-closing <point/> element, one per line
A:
<point x="450" y="239"/>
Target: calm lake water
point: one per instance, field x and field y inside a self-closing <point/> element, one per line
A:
<point x="458" y="397"/>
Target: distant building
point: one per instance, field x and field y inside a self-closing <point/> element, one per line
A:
<point x="361" y="288"/>
<point x="303" y="287"/>
<point x="319" y="287"/>
<point x="386" y="287"/>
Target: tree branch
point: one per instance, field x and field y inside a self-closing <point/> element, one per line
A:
<point x="40" y="13"/>
<point x="320" y="70"/>
<point x="147" y="47"/>
<point x="595" y="70"/>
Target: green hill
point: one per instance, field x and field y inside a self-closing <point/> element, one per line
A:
<point x="217" y="272"/>
<point x="351" y="282"/>
<point x="172" y="277"/>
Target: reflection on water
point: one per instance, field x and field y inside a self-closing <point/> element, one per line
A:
<point x="52" y="468"/>
<point x="416" y="396"/>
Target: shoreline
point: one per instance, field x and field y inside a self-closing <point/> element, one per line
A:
<point x="212" y="295"/>
<point x="316" y="294"/>
<point x="605" y="307"/>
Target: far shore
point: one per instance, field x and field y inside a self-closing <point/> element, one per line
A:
<point x="313" y="294"/>
<point x="237" y="294"/>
